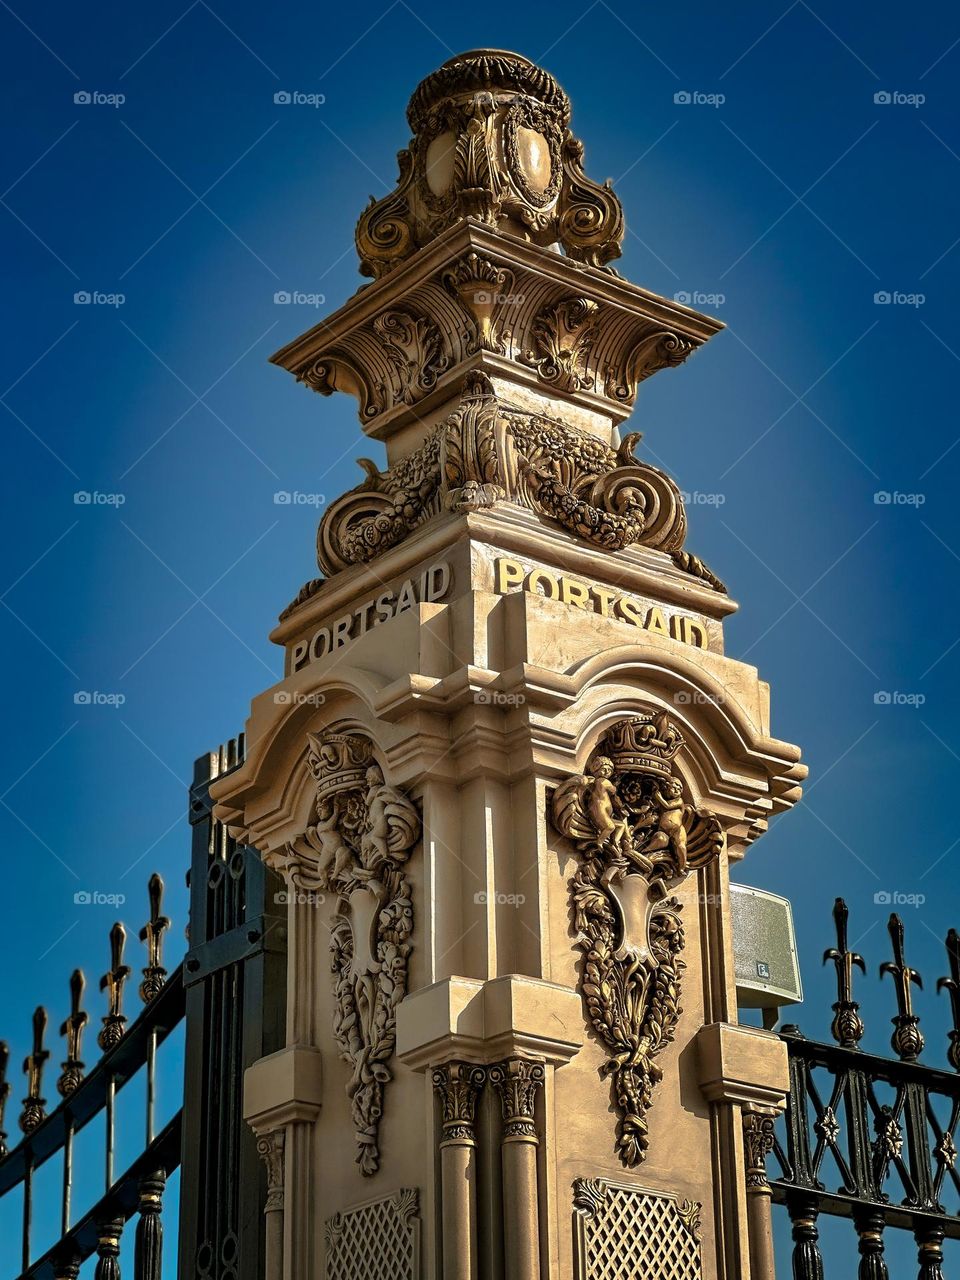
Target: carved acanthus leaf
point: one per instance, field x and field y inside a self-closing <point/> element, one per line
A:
<point x="564" y="334"/>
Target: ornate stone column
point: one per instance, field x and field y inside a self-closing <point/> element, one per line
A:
<point x="281" y="1102"/>
<point x="518" y="1082"/>
<point x="758" y="1125"/>
<point x="509" y="751"/>
<point x="270" y="1149"/>
<point x="458" y="1085"/>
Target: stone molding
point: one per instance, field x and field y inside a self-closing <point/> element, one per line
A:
<point x="488" y="1022"/>
<point x="743" y="1066"/>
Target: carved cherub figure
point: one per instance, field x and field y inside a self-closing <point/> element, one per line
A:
<point x="671" y="833"/>
<point x="604" y="807"/>
<point x="335" y="854"/>
<point x="391" y="825"/>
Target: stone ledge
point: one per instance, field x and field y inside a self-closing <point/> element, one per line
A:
<point x="282" y="1088"/>
<point x="742" y="1065"/>
<point x="475" y="1021"/>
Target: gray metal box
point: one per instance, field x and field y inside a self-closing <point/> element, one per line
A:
<point x="764" y="949"/>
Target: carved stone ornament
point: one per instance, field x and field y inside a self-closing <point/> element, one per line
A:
<point x="458" y="1085"/>
<point x="270" y="1147"/>
<point x="564" y="340"/>
<point x="758" y="1138"/>
<point x="636" y="839"/>
<point x="485" y="451"/>
<point x="491" y="141"/>
<point x="518" y="1082"/>
<point x="356" y="848"/>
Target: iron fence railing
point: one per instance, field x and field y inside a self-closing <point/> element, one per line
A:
<point x="229" y="995"/>
<point x="867" y="1137"/>
<point x="126" y="1050"/>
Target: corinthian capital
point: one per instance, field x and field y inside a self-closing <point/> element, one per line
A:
<point x="518" y="1082"/>
<point x="459" y="1085"/>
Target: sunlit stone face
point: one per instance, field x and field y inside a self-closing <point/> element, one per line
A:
<point x="439" y="162"/>
<point x="534" y="157"/>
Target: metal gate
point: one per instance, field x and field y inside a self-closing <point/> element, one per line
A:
<point x="872" y="1138"/>
<point x="229" y="991"/>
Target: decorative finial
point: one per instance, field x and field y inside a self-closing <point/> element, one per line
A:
<point x="154" y="975"/>
<point x="847" y="1026"/>
<point x="4" y="1093"/>
<point x="112" y="982"/>
<point x="907" y="1039"/>
<point x="491" y="142"/>
<point x="33" y="1112"/>
<point x="952" y="984"/>
<point x="72" y="1073"/>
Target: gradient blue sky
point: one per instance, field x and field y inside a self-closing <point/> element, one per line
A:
<point x="798" y="198"/>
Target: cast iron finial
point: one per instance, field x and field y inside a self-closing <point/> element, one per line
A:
<point x="72" y="1028"/>
<point x="847" y="1026"/>
<point x="33" y="1112"/>
<point x="154" y="975"/>
<point x="952" y="984"/>
<point x="907" y="1039"/>
<point x="4" y="1093"/>
<point x="112" y="982"/>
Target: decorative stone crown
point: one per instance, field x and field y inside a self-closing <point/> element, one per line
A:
<point x="338" y="761"/>
<point x="643" y="744"/>
<point x="491" y="141"/>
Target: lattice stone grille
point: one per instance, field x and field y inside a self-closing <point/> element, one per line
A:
<point x="377" y="1240"/>
<point x="626" y="1232"/>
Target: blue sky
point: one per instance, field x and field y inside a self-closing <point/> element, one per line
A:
<point x="795" y="201"/>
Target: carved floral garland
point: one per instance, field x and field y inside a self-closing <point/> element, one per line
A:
<point x="627" y="819"/>
<point x="356" y="848"/>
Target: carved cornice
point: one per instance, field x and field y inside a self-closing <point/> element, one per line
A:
<point x="628" y="819"/>
<point x="477" y="299"/>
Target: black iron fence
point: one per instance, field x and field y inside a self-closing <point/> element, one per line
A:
<point x="229" y="992"/>
<point x="867" y="1137"/>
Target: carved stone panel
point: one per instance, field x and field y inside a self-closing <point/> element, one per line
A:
<point x="637" y="838"/>
<point x="377" y="1240"/>
<point x="623" y="1232"/>
<point x="363" y="833"/>
<point x="487" y="450"/>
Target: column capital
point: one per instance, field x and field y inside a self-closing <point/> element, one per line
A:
<point x="270" y="1147"/>
<point x="758" y="1138"/>
<point x="459" y="1085"/>
<point x="518" y="1081"/>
